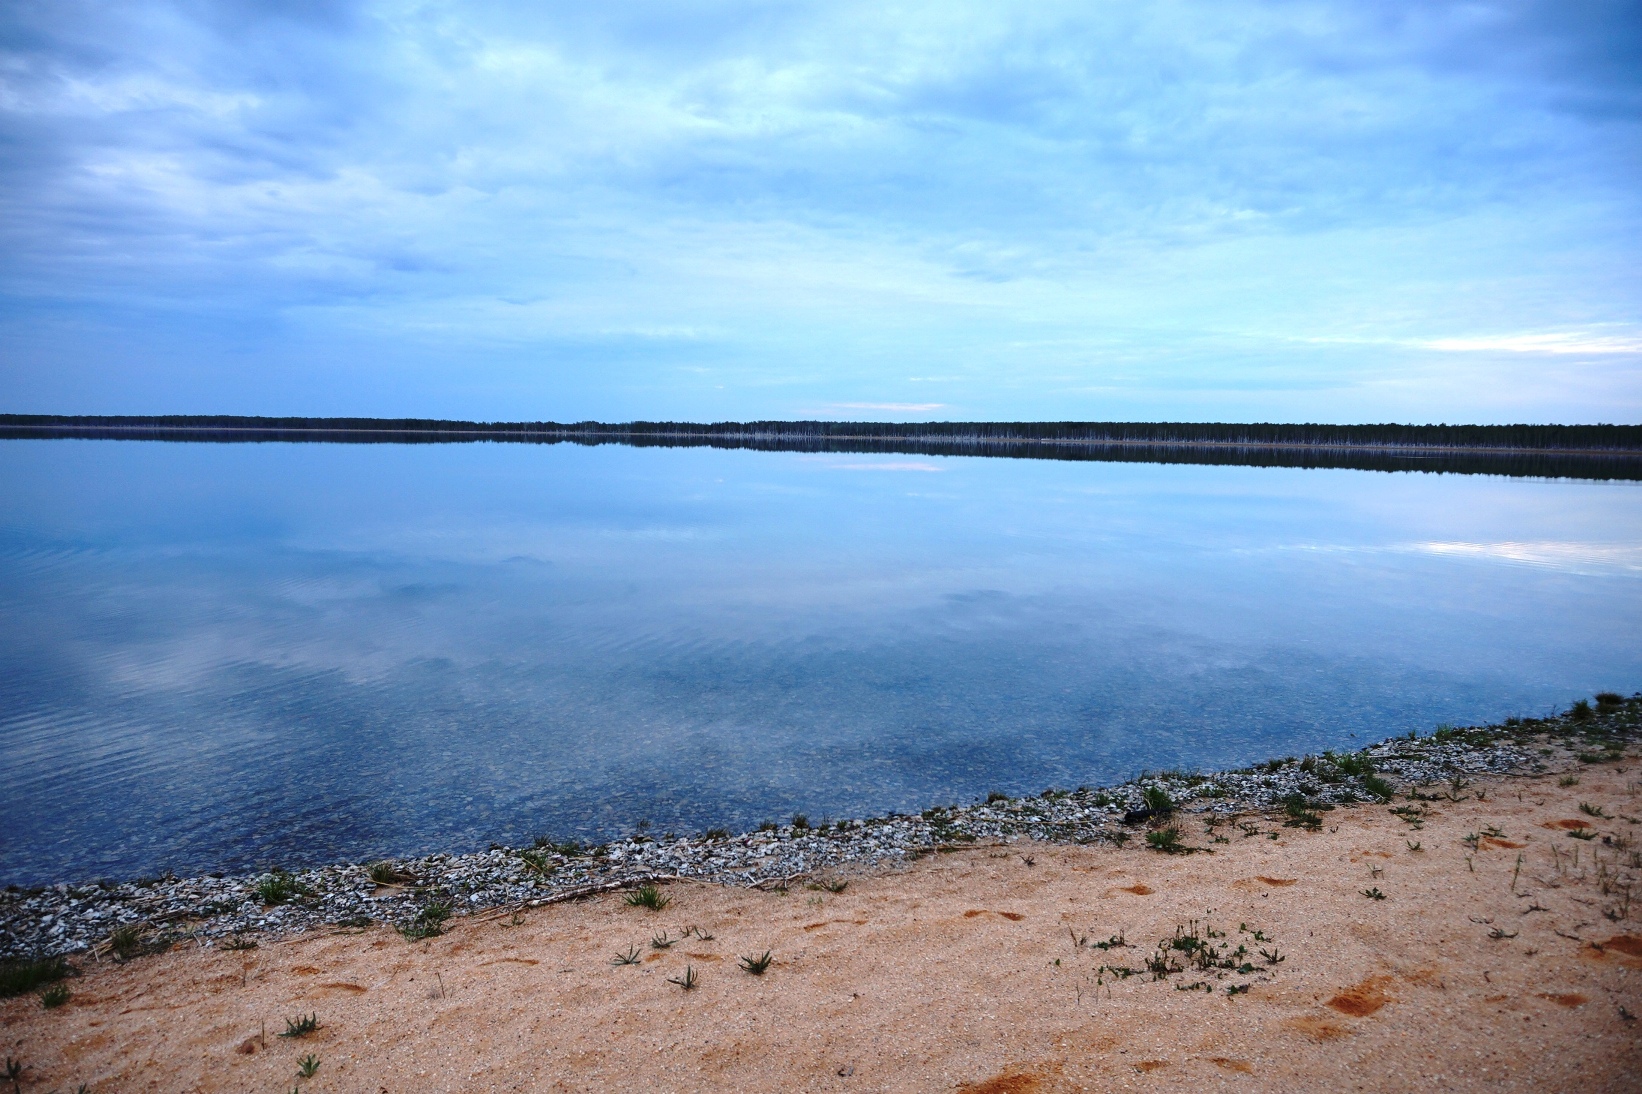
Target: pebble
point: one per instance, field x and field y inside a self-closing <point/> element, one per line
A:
<point x="68" y="919"/>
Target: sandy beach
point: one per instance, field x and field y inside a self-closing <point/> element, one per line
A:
<point x="1477" y="940"/>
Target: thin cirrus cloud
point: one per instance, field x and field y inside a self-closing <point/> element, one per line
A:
<point x="1277" y="209"/>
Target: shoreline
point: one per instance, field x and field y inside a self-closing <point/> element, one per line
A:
<point x="775" y="436"/>
<point x="415" y="894"/>
<point x="1476" y="934"/>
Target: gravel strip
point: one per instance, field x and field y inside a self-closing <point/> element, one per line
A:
<point x="134" y="917"/>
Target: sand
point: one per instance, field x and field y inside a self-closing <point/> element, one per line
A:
<point x="969" y="971"/>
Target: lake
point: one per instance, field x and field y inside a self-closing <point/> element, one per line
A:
<point x="224" y="657"/>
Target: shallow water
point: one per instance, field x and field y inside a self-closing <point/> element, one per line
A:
<point x="230" y="656"/>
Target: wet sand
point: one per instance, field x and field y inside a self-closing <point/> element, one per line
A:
<point x="975" y="970"/>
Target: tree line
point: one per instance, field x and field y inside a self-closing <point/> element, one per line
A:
<point x="1520" y="437"/>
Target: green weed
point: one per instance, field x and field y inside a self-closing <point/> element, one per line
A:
<point x="126" y="941"/>
<point x="1166" y="840"/>
<point x="757" y="965"/>
<point x="1378" y="787"/>
<point x="301" y="1025"/>
<point x="279" y="887"/>
<point x="1156" y="799"/>
<point x="17" y="977"/>
<point x="429" y="921"/>
<point x="646" y="896"/>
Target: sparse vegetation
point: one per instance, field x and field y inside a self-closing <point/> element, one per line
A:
<point x="1378" y="787"/>
<point x="1156" y="799"/>
<point x="429" y="921"/>
<point x="279" y="887"/>
<point x="126" y="941"/>
<point x="757" y="965"/>
<point x="1374" y="893"/>
<point x="307" y="1066"/>
<point x="301" y="1025"/>
<point x="18" y="977"/>
<point x="630" y="956"/>
<point x="54" y="995"/>
<point x="688" y="981"/>
<point x="646" y="896"/>
<point x="388" y="873"/>
<point x="1166" y="840"/>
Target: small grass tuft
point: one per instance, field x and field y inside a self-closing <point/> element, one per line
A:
<point x="800" y="822"/>
<point x="54" y="995"/>
<point x="307" y="1066"/>
<point x="1166" y="840"/>
<point x="1583" y="833"/>
<point x="279" y="887"/>
<point x="301" y="1025"/>
<point x="716" y="833"/>
<point x="1354" y="763"/>
<point x="1374" y="893"/>
<point x="1378" y="787"/>
<point x="126" y="941"/>
<point x="1591" y="810"/>
<point x="996" y="796"/>
<point x="1157" y="799"/>
<point x="18" y="977"/>
<point x="388" y="873"/>
<point x="1568" y="780"/>
<point x="429" y="921"/>
<point x="646" y="896"/>
<point x="757" y="965"/>
<point x="833" y="885"/>
<point x="628" y="957"/>
<point x="688" y="981"/>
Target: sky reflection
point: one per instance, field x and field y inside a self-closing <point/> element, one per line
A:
<point x="230" y="656"/>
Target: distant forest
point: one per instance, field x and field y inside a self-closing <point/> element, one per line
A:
<point x="1574" y="451"/>
<point x="1562" y="438"/>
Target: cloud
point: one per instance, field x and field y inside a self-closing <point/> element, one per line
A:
<point x="1555" y="344"/>
<point x="628" y="210"/>
<point x="908" y="408"/>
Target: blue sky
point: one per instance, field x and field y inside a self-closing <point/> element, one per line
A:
<point x="1224" y="210"/>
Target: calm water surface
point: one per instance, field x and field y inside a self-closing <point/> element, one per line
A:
<point x="225" y="657"/>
